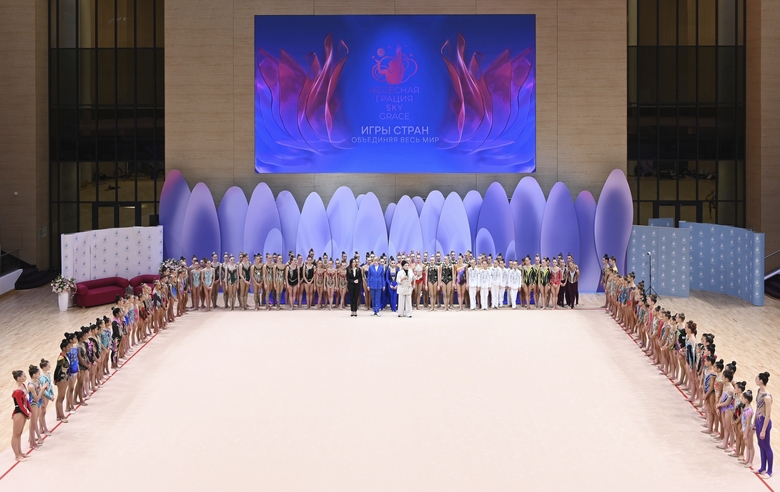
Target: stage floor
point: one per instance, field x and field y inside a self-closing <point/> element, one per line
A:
<point x="313" y="400"/>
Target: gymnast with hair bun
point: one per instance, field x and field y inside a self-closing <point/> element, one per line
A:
<point x="20" y="415"/>
<point x="764" y="425"/>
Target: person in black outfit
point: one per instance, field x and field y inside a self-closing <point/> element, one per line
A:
<point x="354" y="285"/>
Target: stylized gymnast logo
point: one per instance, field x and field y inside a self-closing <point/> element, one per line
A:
<point x="394" y="69"/>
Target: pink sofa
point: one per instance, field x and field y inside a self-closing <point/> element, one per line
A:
<point x="137" y="283"/>
<point x="100" y="291"/>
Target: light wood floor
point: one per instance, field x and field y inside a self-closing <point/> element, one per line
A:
<point x="31" y="327"/>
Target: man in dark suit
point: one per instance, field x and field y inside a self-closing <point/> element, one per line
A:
<point x="375" y="278"/>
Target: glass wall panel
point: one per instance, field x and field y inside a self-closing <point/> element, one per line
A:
<point x="106" y="23"/>
<point x="144" y="23"/>
<point x="686" y="111"/>
<point x="67" y="27"/>
<point x="87" y="84"/>
<point x="727" y="22"/>
<point x="125" y="76"/>
<point x="707" y="15"/>
<point x="125" y="23"/>
<point x="707" y="75"/>
<point x="667" y="22"/>
<point x="686" y="23"/>
<point x="106" y="69"/>
<point x="86" y="23"/>
<point x="106" y="116"/>
<point x="648" y="22"/>
<point x="667" y="75"/>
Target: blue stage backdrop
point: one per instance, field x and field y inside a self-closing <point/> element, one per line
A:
<point x="670" y="252"/>
<point x="395" y="94"/>
<point x="727" y="259"/>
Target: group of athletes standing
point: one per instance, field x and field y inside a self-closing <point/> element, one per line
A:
<point x="480" y="282"/>
<point x="690" y="361"/>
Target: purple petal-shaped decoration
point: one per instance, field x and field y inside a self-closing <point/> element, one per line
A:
<point x="389" y="215"/>
<point x="472" y="202"/>
<point x="173" y="205"/>
<point x="274" y="242"/>
<point x="560" y="230"/>
<point x="419" y="203"/>
<point x="589" y="263"/>
<point x="232" y="220"/>
<point x="289" y="216"/>
<point x="313" y="228"/>
<point x="261" y="217"/>
<point x="405" y="232"/>
<point x="429" y="219"/>
<point x="527" y="213"/>
<point x="614" y="217"/>
<point x="200" y="234"/>
<point x="496" y="216"/>
<point x="485" y="244"/>
<point x="342" y="212"/>
<point x="359" y="199"/>
<point x="370" y="229"/>
<point x="453" y="233"/>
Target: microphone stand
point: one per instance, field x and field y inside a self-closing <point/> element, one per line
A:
<point x="650" y="289"/>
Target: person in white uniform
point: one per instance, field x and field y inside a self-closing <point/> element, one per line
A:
<point x="472" y="277"/>
<point x="404" y="279"/>
<point x="515" y="275"/>
<point x="485" y="281"/>
<point x="495" y="285"/>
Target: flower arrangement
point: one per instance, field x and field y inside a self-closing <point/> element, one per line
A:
<point x="62" y="284"/>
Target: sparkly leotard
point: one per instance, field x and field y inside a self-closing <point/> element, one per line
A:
<point x="433" y="274"/>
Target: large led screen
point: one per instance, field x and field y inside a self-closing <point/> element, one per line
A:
<point x="395" y="94"/>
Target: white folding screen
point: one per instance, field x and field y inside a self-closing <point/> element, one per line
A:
<point x="123" y="252"/>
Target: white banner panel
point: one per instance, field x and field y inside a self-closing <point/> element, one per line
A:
<point x="123" y="252"/>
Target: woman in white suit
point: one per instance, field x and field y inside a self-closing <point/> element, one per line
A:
<point x="404" y="279"/>
<point x="472" y="278"/>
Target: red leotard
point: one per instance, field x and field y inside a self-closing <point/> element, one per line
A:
<point x="21" y="404"/>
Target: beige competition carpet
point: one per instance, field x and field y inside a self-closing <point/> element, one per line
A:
<point x="310" y="401"/>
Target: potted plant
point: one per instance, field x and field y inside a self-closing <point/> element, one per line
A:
<point x="63" y="287"/>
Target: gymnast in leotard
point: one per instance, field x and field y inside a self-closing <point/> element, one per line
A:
<point x="747" y="428"/>
<point x="764" y="403"/>
<point x="20" y="415"/>
<point x="35" y="397"/>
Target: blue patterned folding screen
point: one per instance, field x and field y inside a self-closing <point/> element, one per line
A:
<point x="670" y="251"/>
<point x="661" y="222"/>
<point x="728" y="260"/>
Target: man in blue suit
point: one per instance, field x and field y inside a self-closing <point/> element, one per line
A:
<point x="375" y="279"/>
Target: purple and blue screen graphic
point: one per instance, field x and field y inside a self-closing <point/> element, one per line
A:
<point x="395" y="94"/>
